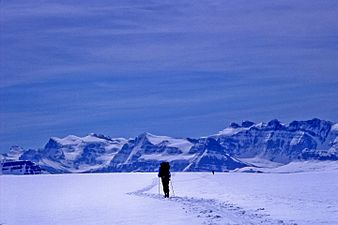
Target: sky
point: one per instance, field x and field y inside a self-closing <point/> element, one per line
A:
<point x="176" y="68"/>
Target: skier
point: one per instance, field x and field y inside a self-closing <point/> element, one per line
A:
<point x="164" y="173"/>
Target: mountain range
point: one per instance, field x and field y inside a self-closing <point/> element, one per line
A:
<point x="237" y="146"/>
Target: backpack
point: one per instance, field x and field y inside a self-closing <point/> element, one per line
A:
<point x="164" y="169"/>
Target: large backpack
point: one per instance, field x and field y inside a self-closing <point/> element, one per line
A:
<point x="164" y="169"/>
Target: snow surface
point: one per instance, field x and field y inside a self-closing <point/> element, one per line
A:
<point x="231" y="131"/>
<point x="335" y="127"/>
<point x="179" y="143"/>
<point x="262" y="163"/>
<point x="304" y="166"/>
<point x="292" y="167"/>
<point x="309" y="198"/>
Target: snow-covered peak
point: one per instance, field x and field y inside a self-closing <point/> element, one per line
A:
<point x="90" y="138"/>
<point x="229" y="131"/>
<point x="14" y="153"/>
<point x="275" y="125"/>
<point x="316" y="127"/>
<point x="101" y="136"/>
<point x="146" y="135"/>
<point x="95" y="138"/>
<point x="68" y="140"/>
<point x="334" y="127"/>
<point x="16" y="150"/>
<point x="260" y="125"/>
<point x="180" y="143"/>
<point x="158" y="139"/>
<point x="235" y="128"/>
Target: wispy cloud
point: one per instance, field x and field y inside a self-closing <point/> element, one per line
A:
<point x="77" y="66"/>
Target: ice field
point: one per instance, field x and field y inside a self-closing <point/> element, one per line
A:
<point x="308" y="198"/>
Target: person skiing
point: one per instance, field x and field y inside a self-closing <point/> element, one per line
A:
<point x="164" y="174"/>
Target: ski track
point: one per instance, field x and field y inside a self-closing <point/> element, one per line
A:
<point x="214" y="212"/>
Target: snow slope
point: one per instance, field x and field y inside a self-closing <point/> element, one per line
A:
<point x="200" y="198"/>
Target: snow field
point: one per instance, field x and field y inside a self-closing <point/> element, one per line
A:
<point x="93" y="199"/>
<point x="200" y="198"/>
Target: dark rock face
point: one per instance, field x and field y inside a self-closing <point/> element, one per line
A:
<point x="275" y="125"/>
<point x="31" y="154"/>
<point x="234" y="125"/>
<point x="247" y="123"/>
<point x="212" y="156"/>
<point x="281" y="143"/>
<point x="315" y="127"/>
<point x="310" y="154"/>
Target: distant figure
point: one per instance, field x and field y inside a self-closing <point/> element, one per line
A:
<point x="213" y="172"/>
<point x="164" y="173"/>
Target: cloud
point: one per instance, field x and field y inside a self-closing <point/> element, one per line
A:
<point x="64" y="37"/>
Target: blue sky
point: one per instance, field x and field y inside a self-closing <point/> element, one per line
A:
<point x="185" y="68"/>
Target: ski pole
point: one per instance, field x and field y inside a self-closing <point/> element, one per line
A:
<point x="172" y="187"/>
<point x="159" y="188"/>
